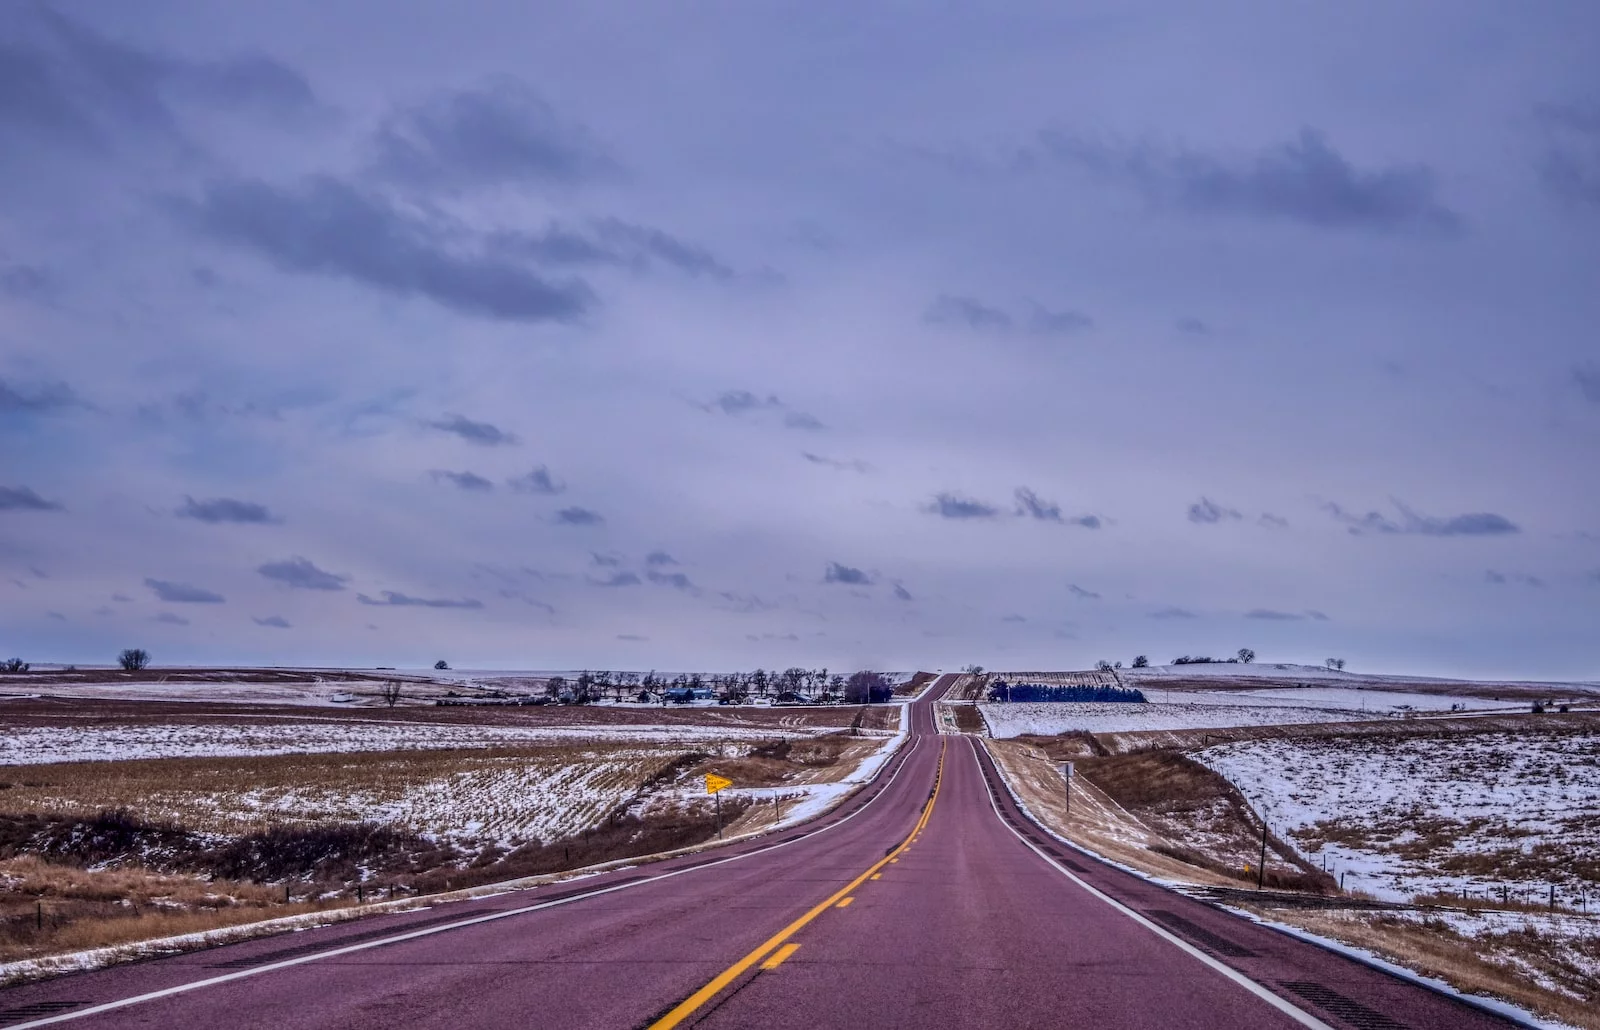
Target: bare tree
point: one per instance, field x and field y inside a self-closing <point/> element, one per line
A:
<point x="1246" y="656"/>
<point x="14" y="665"/>
<point x="133" y="659"/>
<point x="1337" y="664"/>
<point x="441" y="665"/>
<point x="1141" y="661"/>
<point x="390" y="692"/>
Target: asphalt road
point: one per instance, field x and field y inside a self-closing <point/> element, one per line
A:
<point x="926" y="901"/>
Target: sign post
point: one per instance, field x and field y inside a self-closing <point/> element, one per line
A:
<point x="1066" y="774"/>
<point x="715" y="783"/>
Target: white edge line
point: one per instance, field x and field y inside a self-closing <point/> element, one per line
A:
<point x="213" y="981"/>
<point x="1298" y="1015"/>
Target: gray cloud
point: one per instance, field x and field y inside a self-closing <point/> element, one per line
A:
<point x="23" y="282"/>
<point x="901" y="593"/>
<point x="170" y="619"/>
<point x="497" y="133"/>
<point x="474" y="432"/>
<point x="1013" y="618"/>
<point x="608" y="241"/>
<point x="1172" y="612"/>
<point x="1206" y="511"/>
<point x="837" y="573"/>
<point x="182" y="593"/>
<point x="742" y="402"/>
<point x="1316" y="616"/>
<point x="45" y="397"/>
<point x="676" y="580"/>
<point x="1274" y="521"/>
<point x="301" y="574"/>
<point x="225" y="509"/>
<point x="578" y="517"/>
<point x="1271" y="615"/>
<point x="272" y="622"/>
<point x="966" y="313"/>
<point x="1571" y="163"/>
<point x="325" y="226"/>
<point x="1032" y="506"/>
<point x="1501" y="578"/>
<point x="67" y="84"/>
<point x="1471" y="524"/>
<point x="22" y="498"/>
<point x="1076" y="591"/>
<point x="604" y="560"/>
<point x="395" y="599"/>
<point x="462" y="480"/>
<point x="632" y="638"/>
<point x="640" y="244"/>
<point x="537" y="481"/>
<point x="659" y="558"/>
<point x="1191" y="326"/>
<point x="1587" y="378"/>
<point x="835" y="463"/>
<point x="618" y="579"/>
<point x="1303" y="180"/>
<point x="954" y="506"/>
<point x="1058" y="323"/>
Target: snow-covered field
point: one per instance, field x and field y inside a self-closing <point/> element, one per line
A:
<point x="1047" y="717"/>
<point x="1218" y="709"/>
<point x="1156" y="675"/>
<point x="507" y="801"/>
<point x="1402" y="816"/>
<point x="33" y="745"/>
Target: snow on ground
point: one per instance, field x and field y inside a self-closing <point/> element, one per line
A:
<point x="1156" y="674"/>
<point x="1402" y="816"/>
<point x="1047" y="717"/>
<point x="37" y="745"/>
<point x="507" y="801"/>
<point x="1217" y="709"/>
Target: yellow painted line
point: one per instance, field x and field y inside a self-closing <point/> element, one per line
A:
<point x="845" y="903"/>
<point x="687" y="1007"/>
<point x="877" y="876"/>
<point x="778" y="956"/>
<point x="894" y="861"/>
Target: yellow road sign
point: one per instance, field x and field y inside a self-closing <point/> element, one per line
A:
<point x="715" y="783"/>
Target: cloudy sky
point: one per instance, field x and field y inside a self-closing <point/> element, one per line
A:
<point x="730" y="334"/>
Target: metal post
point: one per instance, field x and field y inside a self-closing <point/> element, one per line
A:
<point x="718" y="799"/>
<point x="1261" y="870"/>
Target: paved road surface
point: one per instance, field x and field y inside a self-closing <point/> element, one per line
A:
<point x="918" y="904"/>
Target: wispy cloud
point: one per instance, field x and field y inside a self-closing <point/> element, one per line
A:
<point x="537" y="481"/>
<point x="1206" y="512"/>
<point x="170" y="618"/>
<point x="837" y="573"/>
<point x="949" y="309"/>
<point x="302" y="574"/>
<point x="1410" y="522"/>
<point x="44" y="397"/>
<point x="1273" y="521"/>
<point x="272" y="622"/>
<point x="901" y="593"/>
<point x="836" y="463"/>
<point x="579" y="517"/>
<point x="1521" y="578"/>
<point x="1172" y="612"/>
<point x="182" y="593"/>
<point x="954" y="506"/>
<point x="618" y="579"/>
<point x="225" y="509"/>
<point x="462" y="480"/>
<point x="743" y="402"/>
<point x="1302" y="180"/>
<point x="395" y="599"/>
<point x="1586" y="377"/>
<point x="482" y="433"/>
<point x="659" y="558"/>
<point x="22" y="498"/>
<point x="676" y="580"/>
<point x="1079" y="592"/>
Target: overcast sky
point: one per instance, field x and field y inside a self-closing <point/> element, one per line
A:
<point x="717" y="335"/>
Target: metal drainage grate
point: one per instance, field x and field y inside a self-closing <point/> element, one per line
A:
<point x="1199" y="934"/>
<point x="1347" y="1009"/>
<point x="37" y="1009"/>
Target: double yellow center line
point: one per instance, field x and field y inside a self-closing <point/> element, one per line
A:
<point x="687" y="1007"/>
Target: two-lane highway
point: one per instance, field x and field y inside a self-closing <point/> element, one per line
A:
<point x="927" y="901"/>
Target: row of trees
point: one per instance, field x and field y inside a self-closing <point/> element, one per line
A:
<point x="795" y="683"/>
<point x="1244" y="656"/>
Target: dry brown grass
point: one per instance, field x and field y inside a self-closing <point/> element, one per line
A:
<point x="48" y="908"/>
<point x="968" y="719"/>
<point x="1497" y="966"/>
